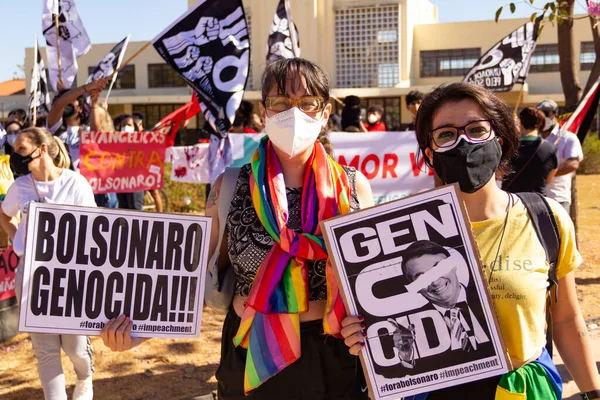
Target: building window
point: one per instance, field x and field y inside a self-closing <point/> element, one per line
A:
<point x="125" y="79"/>
<point x="587" y="57"/>
<point x="387" y="36"/>
<point x="545" y="58"/>
<point x="366" y="46"/>
<point x="387" y="76"/>
<point x="163" y="76"/>
<point x="451" y="62"/>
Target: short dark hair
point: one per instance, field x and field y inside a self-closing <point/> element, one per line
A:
<point x="492" y="107"/>
<point x="276" y="75"/>
<point x="20" y="114"/>
<point x="138" y="115"/>
<point x="375" y="108"/>
<point x="317" y="82"/>
<point x="530" y="118"/>
<point x="414" y="95"/>
<point x="120" y="118"/>
<point x="421" y="248"/>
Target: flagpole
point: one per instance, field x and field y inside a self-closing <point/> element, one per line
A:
<point x="58" y="51"/>
<point x="114" y="76"/>
<point x="35" y="68"/>
<point x="137" y="53"/>
<point x="519" y="98"/>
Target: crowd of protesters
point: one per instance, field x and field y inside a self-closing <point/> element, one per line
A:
<point x="528" y="153"/>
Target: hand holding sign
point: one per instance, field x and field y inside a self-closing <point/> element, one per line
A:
<point x="116" y="334"/>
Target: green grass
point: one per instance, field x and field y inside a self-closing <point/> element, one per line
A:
<point x="591" y="155"/>
<point x="178" y="192"/>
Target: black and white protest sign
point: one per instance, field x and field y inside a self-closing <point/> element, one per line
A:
<point x="411" y="268"/>
<point x="209" y="47"/>
<point x="39" y="96"/>
<point x="84" y="266"/>
<point x="110" y="62"/>
<point x="283" y="39"/>
<point x="508" y="61"/>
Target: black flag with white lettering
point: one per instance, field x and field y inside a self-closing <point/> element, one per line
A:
<point x="209" y="47"/>
<point x="283" y="39"/>
<point x="110" y="62"/>
<point x="508" y="61"/>
<point x="39" y="96"/>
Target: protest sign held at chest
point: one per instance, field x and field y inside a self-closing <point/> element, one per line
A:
<point x="84" y="266"/>
<point x="411" y="269"/>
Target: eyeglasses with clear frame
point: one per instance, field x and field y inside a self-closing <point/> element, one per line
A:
<point x="307" y="104"/>
<point x="475" y="132"/>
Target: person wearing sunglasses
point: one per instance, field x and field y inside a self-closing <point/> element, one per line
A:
<point x="282" y="332"/>
<point x="469" y="136"/>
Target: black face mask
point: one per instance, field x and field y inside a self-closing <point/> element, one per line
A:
<point x="20" y="163"/>
<point x="472" y="165"/>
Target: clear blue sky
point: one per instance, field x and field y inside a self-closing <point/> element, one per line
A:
<point x="109" y="21"/>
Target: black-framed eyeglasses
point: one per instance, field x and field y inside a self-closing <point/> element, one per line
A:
<point x="475" y="131"/>
<point x="307" y="104"/>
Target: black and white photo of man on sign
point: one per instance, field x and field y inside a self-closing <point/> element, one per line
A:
<point x="411" y="269"/>
<point x="433" y="274"/>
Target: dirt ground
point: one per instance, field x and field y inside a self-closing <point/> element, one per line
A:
<point x="181" y="369"/>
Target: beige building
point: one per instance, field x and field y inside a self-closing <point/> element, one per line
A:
<point x="378" y="50"/>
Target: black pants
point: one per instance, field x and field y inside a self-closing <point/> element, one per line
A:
<point x="325" y="370"/>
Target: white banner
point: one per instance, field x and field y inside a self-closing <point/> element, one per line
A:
<point x="390" y="160"/>
<point x="84" y="266"/>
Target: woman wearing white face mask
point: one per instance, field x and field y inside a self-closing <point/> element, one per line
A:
<point x="274" y="245"/>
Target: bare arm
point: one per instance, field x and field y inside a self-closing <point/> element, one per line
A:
<point x="571" y="336"/>
<point x="568" y="166"/>
<point x="551" y="176"/>
<point x="363" y="191"/>
<point x="59" y="105"/>
<point x="95" y="113"/>
<point x="9" y="224"/>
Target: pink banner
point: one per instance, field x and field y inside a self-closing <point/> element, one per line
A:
<point x="8" y="265"/>
<point x="121" y="162"/>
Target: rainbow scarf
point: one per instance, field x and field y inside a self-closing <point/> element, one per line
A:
<point x="270" y="324"/>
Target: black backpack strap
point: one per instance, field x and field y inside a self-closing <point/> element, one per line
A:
<point x="546" y="228"/>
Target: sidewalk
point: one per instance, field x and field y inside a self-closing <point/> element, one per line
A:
<point x="570" y="391"/>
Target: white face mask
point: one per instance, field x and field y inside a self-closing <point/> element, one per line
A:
<point x="550" y="122"/>
<point x="372" y="119"/>
<point x="292" y="131"/>
<point x="127" y="128"/>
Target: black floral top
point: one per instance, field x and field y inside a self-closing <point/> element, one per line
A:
<point x="248" y="242"/>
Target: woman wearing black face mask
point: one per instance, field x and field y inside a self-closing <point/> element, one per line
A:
<point x="43" y="161"/>
<point x="468" y="135"/>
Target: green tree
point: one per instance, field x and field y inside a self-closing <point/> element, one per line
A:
<point x="561" y="12"/>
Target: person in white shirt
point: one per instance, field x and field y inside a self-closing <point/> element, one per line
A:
<point x="568" y="150"/>
<point x="43" y="160"/>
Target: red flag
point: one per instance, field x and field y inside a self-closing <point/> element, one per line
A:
<point x="170" y="124"/>
<point x="579" y="122"/>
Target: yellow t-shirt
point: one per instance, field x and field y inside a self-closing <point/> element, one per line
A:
<point x="519" y="279"/>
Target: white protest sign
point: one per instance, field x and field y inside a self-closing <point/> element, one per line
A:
<point x="84" y="266"/>
<point x="411" y="269"/>
<point x="389" y="160"/>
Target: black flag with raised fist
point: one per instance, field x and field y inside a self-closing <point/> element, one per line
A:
<point x="283" y="39"/>
<point x="209" y="47"/>
<point x="508" y="61"/>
